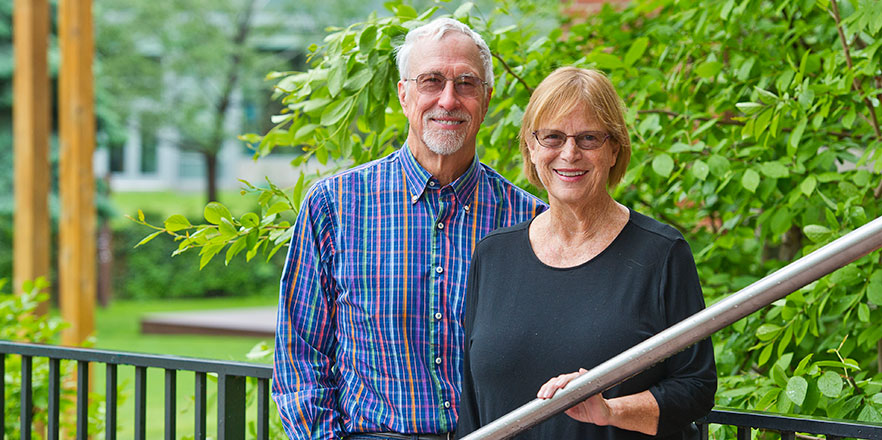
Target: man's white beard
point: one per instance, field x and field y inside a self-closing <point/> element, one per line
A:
<point x="445" y="142"/>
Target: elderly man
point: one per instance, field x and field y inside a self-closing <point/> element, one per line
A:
<point x="369" y="336"/>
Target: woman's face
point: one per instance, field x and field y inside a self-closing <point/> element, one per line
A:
<point x="570" y="174"/>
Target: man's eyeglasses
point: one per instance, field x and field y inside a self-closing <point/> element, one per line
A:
<point x="586" y="140"/>
<point x="468" y="86"/>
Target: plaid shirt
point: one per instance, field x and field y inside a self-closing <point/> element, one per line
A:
<point x="369" y="335"/>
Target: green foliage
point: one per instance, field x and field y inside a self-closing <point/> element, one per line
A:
<point x="755" y="129"/>
<point x="20" y="322"/>
<point x="148" y="273"/>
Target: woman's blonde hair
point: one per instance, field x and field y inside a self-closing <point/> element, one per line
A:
<point x="568" y="89"/>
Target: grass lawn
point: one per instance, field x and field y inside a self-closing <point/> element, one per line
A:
<point x="117" y="328"/>
<point x="189" y="204"/>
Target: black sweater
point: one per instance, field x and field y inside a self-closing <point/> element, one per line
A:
<point x="527" y="322"/>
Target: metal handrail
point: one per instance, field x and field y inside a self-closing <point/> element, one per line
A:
<point x="790" y="278"/>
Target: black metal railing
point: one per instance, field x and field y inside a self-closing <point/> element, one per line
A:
<point x="231" y="394"/>
<point x="231" y="390"/>
<point x="788" y="426"/>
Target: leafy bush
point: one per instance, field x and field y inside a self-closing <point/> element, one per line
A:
<point x="151" y="272"/>
<point x="19" y="322"/>
<point x="756" y="133"/>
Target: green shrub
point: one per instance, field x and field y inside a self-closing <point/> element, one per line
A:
<point x="151" y="271"/>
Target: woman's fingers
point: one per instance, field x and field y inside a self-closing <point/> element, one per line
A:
<point x="555" y="383"/>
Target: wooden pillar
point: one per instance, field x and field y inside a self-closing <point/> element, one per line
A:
<point x="31" y="126"/>
<point x="76" y="119"/>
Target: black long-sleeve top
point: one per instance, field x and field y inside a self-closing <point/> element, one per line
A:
<point x="527" y="322"/>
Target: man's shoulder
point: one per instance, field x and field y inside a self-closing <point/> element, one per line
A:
<point x="503" y="185"/>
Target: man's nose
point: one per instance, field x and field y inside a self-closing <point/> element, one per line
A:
<point x="448" y="98"/>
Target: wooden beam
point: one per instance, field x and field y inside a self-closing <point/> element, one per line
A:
<point x="31" y="126"/>
<point x="77" y="248"/>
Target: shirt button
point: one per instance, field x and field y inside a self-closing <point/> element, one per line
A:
<point x="438" y="315"/>
<point x="466" y="207"/>
<point x="413" y="199"/>
<point x="447" y="404"/>
<point x="439" y="269"/>
<point x="438" y="361"/>
<point x="440" y="225"/>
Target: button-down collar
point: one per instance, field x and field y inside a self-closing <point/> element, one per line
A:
<point x="418" y="178"/>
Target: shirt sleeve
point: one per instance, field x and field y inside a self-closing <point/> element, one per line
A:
<point x="304" y="387"/>
<point x="687" y="392"/>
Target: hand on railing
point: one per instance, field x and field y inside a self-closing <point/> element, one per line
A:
<point x="593" y="410"/>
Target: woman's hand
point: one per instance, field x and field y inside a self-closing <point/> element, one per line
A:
<point x="594" y="410"/>
<point x="635" y="412"/>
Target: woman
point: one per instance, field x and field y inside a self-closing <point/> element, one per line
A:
<point x="582" y="282"/>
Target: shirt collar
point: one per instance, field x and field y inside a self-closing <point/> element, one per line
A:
<point x="418" y="178"/>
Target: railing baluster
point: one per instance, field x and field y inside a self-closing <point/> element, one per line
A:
<point x="199" y="397"/>
<point x="743" y="433"/>
<point x="54" y="397"/>
<point x="263" y="409"/>
<point x="27" y="402"/>
<point x="788" y="435"/>
<point x="170" y="397"/>
<point x="140" y="403"/>
<point x="702" y="430"/>
<point x="82" y="400"/>
<point x="834" y="437"/>
<point x="110" y="402"/>
<point x="230" y="407"/>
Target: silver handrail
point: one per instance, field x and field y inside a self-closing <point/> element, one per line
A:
<point x="775" y="286"/>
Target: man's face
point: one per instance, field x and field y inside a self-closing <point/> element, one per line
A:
<point x="444" y="122"/>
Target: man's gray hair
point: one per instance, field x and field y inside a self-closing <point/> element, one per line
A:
<point x="436" y="29"/>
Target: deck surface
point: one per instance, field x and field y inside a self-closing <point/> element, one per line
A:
<point x="251" y="321"/>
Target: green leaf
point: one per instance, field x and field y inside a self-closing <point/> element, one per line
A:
<point x="709" y="69"/>
<point x="234" y="249"/>
<point x="700" y="169"/>
<point x="765" y="354"/>
<point x="604" y="60"/>
<point x="337" y="110"/>
<point x="750" y="181"/>
<point x="276" y="208"/>
<point x="797" y="386"/>
<point x="638" y="47"/>
<point x="177" y="222"/>
<point x="463" y="10"/>
<point x="808" y="185"/>
<point x="796" y="135"/>
<point x="140" y="215"/>
<point x="817" y="233"/>
<point x="143" y="241"/>
<point x="749" y="107"/>
<point x="774" y="169"/>
<point x="250" y="220"/>
<point x="227" y="229"/>
<point x="830" y="384"/>
<point x="336" y="76"/>
<point x="874" y="287"/>
<point x="870" y="414"/>
<point x="367" y="39"/>
<point x="781" y="220"/>
<point x="766" y="332"/>
<point x="663" y="165"/>
<point x="215" y="211"/>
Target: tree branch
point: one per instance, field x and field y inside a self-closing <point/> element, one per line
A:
<point x="855" y="83"/>
<point x="511" y="72"/>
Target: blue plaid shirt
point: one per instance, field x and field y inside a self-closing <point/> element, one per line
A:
<point x="370" y="333"/>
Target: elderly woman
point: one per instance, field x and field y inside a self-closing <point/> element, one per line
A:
<point x="581" y="283"/>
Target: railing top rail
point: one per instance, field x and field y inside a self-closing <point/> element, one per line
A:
<point x="793" y="423"/>
<point x="139" y="360"/>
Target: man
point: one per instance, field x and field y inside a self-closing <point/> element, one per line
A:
<point x="369" y="336"/>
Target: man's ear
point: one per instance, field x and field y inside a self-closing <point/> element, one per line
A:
<point x="402" y="92"/>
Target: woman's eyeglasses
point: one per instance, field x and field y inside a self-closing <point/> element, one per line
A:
<point x="586" y="140"/>
<point x="433" y="83"/>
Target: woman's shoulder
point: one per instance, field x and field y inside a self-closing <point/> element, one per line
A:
<point x="649" y="227"/>
<point x="504" y="237"/>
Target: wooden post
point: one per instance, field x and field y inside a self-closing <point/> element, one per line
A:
<point x="77" y="249"/>
<point x="31" y="128"/>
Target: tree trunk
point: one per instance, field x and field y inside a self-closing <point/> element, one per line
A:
<point x="211" y="175"/>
